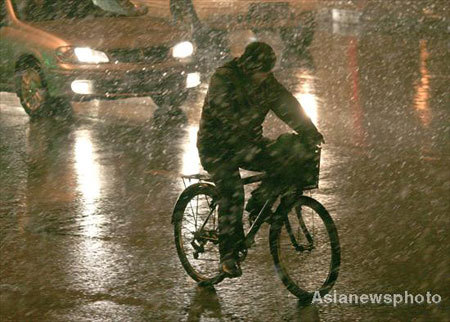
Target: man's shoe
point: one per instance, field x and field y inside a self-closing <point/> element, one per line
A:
<point x="230" y="268"/>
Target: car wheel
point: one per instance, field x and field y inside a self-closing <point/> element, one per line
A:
<point x="33" y="93"/>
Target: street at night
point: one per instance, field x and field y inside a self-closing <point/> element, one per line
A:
<point x="86" y="201"/>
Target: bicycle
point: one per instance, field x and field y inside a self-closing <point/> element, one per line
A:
<point x="293" y="239"/>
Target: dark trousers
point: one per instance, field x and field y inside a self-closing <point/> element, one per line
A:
<point x="273" y="157"/>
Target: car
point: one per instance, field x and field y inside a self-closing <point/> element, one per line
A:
<point x="222" y="29"/>
<point x="56" y="51"/>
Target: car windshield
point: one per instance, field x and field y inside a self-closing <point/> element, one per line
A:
<point x="43" y="10"/>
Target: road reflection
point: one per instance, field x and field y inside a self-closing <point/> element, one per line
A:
<point x="204" y="305"/>
<point x="356" y="108"/>
<point x="306" y="313"/>
<point x="88" y="182"/>
<point x="48" y="161"/>
<point x="190" y="158"/>
<point x="422" y="95"/>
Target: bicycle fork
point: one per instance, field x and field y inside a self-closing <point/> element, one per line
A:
<point x="287" y="202"/>
<point x="298" y="247"/>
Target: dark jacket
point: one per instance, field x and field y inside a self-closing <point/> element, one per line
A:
<point x="234" y="111"/>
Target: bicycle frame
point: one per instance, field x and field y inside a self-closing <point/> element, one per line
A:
<point x="260" y="219"/>
<point x="264" y="213"/>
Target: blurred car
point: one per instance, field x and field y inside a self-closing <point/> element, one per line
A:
<point x="54" y="51"/>
<point x="222" y="29"/>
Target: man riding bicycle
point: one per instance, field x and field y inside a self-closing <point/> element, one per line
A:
<point x="240" y="95"/>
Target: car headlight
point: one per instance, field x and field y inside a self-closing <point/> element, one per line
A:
<point x="81" y="55"/>
<point x="183" y="49"/>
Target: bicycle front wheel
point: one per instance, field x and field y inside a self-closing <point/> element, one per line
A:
<point x="305" y="248"/>
<point x="196" y="232"/>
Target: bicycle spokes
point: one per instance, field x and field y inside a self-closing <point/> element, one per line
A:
<point x="199" y="232"/>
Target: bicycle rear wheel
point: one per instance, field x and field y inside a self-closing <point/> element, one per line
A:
<point x="196" y="222"/>
<point x="305" y="249"/>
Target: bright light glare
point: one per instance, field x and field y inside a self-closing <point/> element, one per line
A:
<point x="307" y="97"/>
<point x="192" y="80"/>
<point x="88" y="55"/>
<point x="82" y="87"/>
<point x="191" y="160"/>
<point x="309" y="104"/>
<point x="183" y="49"/>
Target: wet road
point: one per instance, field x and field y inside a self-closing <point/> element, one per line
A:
<point x="85" y="205"/>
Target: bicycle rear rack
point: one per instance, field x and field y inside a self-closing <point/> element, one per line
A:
<point x="204" y="177"/>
